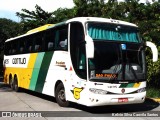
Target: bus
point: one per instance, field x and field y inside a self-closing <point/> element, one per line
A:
<point x="86" y="60"/>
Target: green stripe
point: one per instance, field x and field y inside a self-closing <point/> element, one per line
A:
<point x="43" y="71"/>
<point x="36" y="71"/>
<point x="130" y="85"/>
<point x="123" y="85"/>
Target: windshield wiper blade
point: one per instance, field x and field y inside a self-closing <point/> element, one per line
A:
<point x="132" y="70"/>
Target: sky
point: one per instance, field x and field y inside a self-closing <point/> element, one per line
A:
<point x="8" y="8"/>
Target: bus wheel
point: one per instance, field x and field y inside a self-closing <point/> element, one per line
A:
<point x="15" y="84"/>
<point x="11" y="83"/>
<point x="60" y="96"/>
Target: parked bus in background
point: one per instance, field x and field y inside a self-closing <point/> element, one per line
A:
<point x="86" y="60"/>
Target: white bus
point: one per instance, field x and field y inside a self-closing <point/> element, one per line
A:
<point x="86" y="60"/>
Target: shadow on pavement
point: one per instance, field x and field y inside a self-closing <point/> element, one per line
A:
<point x="148" y="105"/>
<point x="5" y="88"/>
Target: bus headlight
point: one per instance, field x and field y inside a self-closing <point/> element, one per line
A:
<point x="141" y="90"/>
<point x="98" y="91"/>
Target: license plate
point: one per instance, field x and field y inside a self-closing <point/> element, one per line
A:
<point x="120" y="100"/>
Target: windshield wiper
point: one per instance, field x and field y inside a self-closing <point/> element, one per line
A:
<point x="132" y="70"/>
<point x="125" y="61"/>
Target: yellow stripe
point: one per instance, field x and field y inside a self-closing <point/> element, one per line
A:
<point x="28" y="72"/>
<point x="136" y="85"/>
<point x="32" y="60"/>
<point x="44" y="27"/>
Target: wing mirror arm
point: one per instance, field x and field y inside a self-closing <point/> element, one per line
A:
<point x="154" y="50"/>
<point x="89" y="47"/>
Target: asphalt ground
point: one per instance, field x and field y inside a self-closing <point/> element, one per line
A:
<point x="29" y="101"/>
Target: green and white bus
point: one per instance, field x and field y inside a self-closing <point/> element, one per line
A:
<point x="87" y="60"/>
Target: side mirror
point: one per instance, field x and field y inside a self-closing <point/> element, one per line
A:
<point x="154" y="50"/>
<point x="89" y="47"/>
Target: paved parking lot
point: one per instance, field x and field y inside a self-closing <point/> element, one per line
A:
<point x="31" y="101"/>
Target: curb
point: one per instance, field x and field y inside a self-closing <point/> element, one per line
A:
<point x="155" y="99"/>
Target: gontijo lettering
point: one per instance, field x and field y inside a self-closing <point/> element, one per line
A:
<point x="19" y="60"/>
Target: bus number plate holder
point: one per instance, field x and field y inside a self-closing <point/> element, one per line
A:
<point x="120" y="100"/>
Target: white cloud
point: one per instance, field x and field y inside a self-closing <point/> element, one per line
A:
<point x="47" y="5"/>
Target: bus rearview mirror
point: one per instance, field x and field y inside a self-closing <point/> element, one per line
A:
<point x="154" y="50"/>
<point x="89" y="47"/>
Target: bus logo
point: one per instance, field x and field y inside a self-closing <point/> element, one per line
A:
<point x="123" y="90"/>
<point x="76" y="93"/>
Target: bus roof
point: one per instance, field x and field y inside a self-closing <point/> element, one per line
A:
<point x="98" y="19"/>
<point x="77" y="19"/>
<point x="38" y="29"/>
<point x="41" y="28"/>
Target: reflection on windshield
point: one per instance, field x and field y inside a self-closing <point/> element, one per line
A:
<point x="103" y="31"/>
<point x="110" y="61"/>
<point x="105" y="56"/>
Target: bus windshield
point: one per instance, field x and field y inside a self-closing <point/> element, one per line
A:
<point x="113" y="32"/>
<point x="117" y="55"/>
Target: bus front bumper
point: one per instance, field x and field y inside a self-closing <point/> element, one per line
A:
<point x="100" y="100"/>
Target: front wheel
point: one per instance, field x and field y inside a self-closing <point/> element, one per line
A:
<point x="60" y="96"/>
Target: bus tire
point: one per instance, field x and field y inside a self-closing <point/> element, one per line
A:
<point x="15" y="84"/>
<point x="11" y="83"/>
<point x="60" y="96"/>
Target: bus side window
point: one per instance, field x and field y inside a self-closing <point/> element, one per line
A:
<point x="21" y="46"/>
<point x="30" y="48"/>
<point x="7" y="48"/>
<point x="37" y="42"/>
<point x="29" y="44"/>
<point x="49" y="40"/>
<point x="37" y="48"/>
<point x="62" y="38"/>
<point x="50" y="46"/>
<point x="14" y="47"/>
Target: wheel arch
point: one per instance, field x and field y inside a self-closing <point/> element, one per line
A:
<point x="16" y="78"/>
<point x="57" y="83"/>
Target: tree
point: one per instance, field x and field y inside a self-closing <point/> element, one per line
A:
<point x="8" y="29"/>
<point x="39" y="14"/>
<point x="33" y="19"/>
<point x="62" y="14"/>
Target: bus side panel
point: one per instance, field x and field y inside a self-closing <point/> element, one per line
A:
<point x="43" y="71"/>
<point x="40" y="71"/>
<point x="35" y="72"/>
<point x="17" y="65"/>
<point x="27" y="73"/>
<point x="56" y="71"/>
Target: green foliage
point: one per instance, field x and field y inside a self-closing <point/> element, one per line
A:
<point x="153" y="92"/>
<point x="8" y="29"/>
<point x="33" y="19"/>
<point x="153" y="71"/>
<point x="63" y="14"/>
